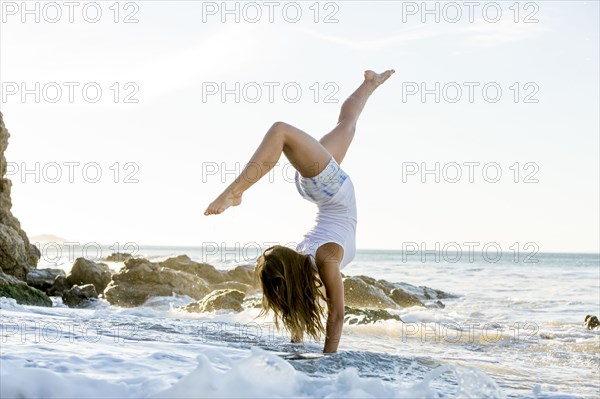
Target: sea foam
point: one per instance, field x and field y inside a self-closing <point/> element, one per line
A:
<point x="259" y="374"/>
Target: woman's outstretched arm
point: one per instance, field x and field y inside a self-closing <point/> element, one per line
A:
<point x="328" y="259"/>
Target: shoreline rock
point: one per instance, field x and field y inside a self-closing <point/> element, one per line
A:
<point x="366" y="292"/>
<point x="12" y="287"/>
<point x="217" y="300"/>
<point x="80" y="296"/>
<point x="141" y="279"/>
<point x="205" y="271"/>
<point x="118" y="257"/>
<point x="43" y="279"/>
<point x="17" y="254"/>
<point x="85" y="271"/>
<point x="361" y="294"/>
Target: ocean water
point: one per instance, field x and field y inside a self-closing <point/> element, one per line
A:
<point x="514" y="329"/>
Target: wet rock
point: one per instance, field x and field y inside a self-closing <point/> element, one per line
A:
<point x="406" y="295"/>
<point x="85" y="271"/>
<point x="430" y="293"/>
<point x="353" y="315"/>
<point x="438" y="304"/>
<point x="203" y="270"/>
<point x="80" y="296"/>
<point x="12" y="287"/>
<point x="404" y="299"/>
<point x="17" y="254"/>
<point x="141" y="279"/>
<point x="400" y="296"/>
<point x="60" y="285"/>
<point x="43" y="279"/>
<point x="217" y="300"/>
<point x="591" y="322"/>
<point x="118" y="257"/>
<point x="13" y="252"/>
<point x="359" y="293"/>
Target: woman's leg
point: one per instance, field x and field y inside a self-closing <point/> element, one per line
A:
<point x="338" y="140"/>
<point x="305" y="153"/>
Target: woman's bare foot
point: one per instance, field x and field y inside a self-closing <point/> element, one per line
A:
<point x="223" y="201"/>
<point x="378" y="78"/>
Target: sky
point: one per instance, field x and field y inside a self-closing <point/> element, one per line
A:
<point x="499" y="103"/>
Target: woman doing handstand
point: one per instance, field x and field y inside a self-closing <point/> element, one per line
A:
<point x="290" y="279"/>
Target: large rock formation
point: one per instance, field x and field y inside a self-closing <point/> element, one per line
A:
<point x="17" y="255"/>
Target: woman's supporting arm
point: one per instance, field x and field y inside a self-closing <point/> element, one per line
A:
<point x="329" y="257"/>
<point x="335" y="324"/>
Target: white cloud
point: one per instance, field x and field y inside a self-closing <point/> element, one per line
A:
<point x="482" y="33"/>
<point x="407" y="37"/>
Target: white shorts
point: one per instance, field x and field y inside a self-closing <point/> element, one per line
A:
<point x="322" y="186"/>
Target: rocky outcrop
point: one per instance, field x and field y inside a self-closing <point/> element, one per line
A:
<point x="85" y="271"/>
<point x="118" y="257"/>
<point x="140" y="279"/>
<point x="367" y="292"/>
<point x="217" y="300"/>
<point x="12" y="287"/>
<point x="80" y="297"/>
<point x="17" y="255"/>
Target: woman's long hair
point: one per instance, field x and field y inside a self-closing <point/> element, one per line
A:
<point x="290" y="287"/>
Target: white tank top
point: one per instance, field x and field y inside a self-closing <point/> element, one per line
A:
<point x="336" y="217"/>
